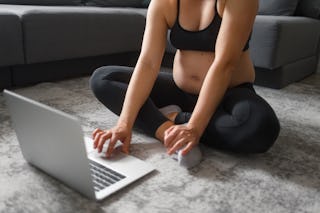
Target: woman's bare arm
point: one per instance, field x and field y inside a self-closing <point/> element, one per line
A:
<point x="142" y="80"/>
<point x="149" y="62"/>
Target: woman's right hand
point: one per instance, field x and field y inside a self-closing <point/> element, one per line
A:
<point x="118" y="132"/>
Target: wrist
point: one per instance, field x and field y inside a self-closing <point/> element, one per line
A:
<point x="195" y="128"/>
<point x="125" y="123"/>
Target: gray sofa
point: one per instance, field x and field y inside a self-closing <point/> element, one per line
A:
<point x="285" y="43"/>
<point x="45" y="43"/>
<point x="61" y="40"/>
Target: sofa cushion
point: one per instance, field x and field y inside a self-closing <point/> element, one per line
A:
<point x="277" y="7"/>
<point x="114" y="3"/>
<point x="42" y="2"/>
<point x="11" y="47"/>
<point x="280" y="40"/>
<point x="309" y="8"/>
<point x="60" y="33"/>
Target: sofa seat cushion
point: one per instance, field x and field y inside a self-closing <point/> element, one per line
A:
<point x="281" y="40"/>
<point x="57" y="33"/>
<point x="277" y="7"/>
<point x="42" y="2"/>
<point x="11" y="47"/>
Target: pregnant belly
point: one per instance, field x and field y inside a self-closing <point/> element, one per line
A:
<point x="190" y="69"/>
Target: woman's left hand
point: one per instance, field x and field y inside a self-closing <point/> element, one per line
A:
<point x="179" y="137"/>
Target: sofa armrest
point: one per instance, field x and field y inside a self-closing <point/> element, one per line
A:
<point x="280" y="40"/>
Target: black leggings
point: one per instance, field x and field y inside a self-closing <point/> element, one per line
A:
<point x="243" y="122"/>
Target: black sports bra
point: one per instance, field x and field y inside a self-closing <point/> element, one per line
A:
<point x="202" y="40"/>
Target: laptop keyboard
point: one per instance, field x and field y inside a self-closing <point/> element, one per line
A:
<point x="103" y="177"/>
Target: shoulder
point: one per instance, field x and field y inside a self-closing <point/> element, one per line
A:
<point x="164" y="8"/>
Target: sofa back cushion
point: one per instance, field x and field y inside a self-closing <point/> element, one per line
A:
<point x="115" y="3"/>
<point x="42" y="2"/>
<point x="278" y="7"/>
<point x="309" y="8"/>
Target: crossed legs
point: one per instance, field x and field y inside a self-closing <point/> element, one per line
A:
<point x="244" y="122"/>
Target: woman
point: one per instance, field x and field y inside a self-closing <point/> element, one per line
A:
<point x="211" y="82"/>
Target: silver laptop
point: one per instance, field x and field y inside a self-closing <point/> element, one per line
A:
<point x="53" y="141"/>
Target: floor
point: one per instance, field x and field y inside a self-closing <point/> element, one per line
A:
<point x="285" y="179"/>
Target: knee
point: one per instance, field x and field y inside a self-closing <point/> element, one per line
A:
<point x="270" y="132"/>
<point x="98" y="77"/>
<point x="249" y="126"/>
<point x="265" y="133"/>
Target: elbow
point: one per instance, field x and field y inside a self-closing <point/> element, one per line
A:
<point x="149" y="62"/>
<point x="226" y="66"/>
<point x="145" y="64"/>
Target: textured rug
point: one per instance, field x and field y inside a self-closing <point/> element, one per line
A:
<point x="285" y="179"/>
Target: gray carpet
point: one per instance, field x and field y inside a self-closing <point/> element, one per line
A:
<point x="285" y="179"/>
